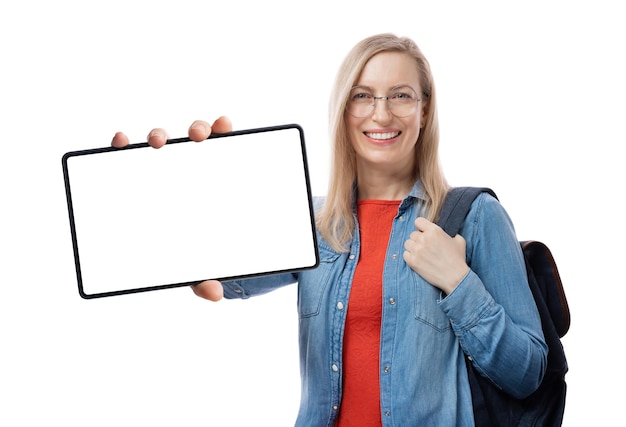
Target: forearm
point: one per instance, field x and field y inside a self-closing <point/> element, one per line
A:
<point x="247" y="288"/>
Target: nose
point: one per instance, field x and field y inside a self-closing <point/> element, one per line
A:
<point x="381" y="109"/>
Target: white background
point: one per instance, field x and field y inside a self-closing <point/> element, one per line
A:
<point x="531" y="103"/>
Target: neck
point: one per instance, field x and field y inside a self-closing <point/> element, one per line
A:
<point x="384" y="186"/>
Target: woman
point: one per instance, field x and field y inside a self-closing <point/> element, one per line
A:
<point x="386" y="318"/>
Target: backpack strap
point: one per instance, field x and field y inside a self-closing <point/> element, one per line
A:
<point x="457" y="205"/>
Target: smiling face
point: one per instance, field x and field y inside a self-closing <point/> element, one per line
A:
<point x="385" y="142"/>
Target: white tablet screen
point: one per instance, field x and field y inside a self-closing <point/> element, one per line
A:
<point x="236" y="205"/>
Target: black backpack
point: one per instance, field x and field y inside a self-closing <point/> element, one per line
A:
<point x="545" y="407"/>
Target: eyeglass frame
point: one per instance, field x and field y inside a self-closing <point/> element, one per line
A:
<point x="375" y="98"/>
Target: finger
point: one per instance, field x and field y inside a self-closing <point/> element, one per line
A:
<point x="414" y="243"/>
<point x="199" y="130"/>
<point x="211" y="290"/>
<point x="422" y="224"/>
<point x="408" y="258"/>
<point x="222" y="125"/>
<point x="119" y="140"/>
<point x="415" y="236"/>
<point x="157" y="138"/>
<point x="410" y="245"/>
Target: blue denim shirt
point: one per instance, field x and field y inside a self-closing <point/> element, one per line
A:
<point x="490" y="316"/>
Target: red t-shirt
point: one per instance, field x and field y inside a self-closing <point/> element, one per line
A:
<point x="360" y="404"/>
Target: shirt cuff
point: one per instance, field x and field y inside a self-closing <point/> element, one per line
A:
<point x="233" y="290"/>
<point x="468" y="303"/>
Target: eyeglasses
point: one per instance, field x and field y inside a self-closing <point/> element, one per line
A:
<point x="402" y="101"/>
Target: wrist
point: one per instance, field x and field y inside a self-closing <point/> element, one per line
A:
<point x="455" y="280"/>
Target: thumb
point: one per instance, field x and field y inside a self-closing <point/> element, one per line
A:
<point x="460" y="243"/>
<point x="211" y="290"/>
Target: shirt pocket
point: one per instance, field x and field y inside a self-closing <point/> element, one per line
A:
<point x="427" y="309"/>
<point x="313" y="283"/>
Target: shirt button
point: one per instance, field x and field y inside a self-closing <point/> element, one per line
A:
<point x="335" y="368"/>
<point x="392" y="301"/>
<point x="470" y="358"/>
<point x="387" y="413"/>
<point x="394" y="256"/>
<point x="339" y="305"/>
<point x="401" y="218"/>
<point x="351" y="256"/>
<point x="387" y="369"/>
<point x="335" y="407"/>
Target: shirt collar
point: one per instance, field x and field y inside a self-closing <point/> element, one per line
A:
<point x="417" y="192"/>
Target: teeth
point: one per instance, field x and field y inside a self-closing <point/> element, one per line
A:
<point x="386" y="135"/>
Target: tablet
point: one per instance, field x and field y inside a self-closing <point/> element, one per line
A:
<point x="237" y="205"/>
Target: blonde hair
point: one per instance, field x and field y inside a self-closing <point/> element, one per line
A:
<point x="335" y="220"/>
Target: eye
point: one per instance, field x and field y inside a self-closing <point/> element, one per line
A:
<point x="360" y="95"/>
<point x="403" y="95"/>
